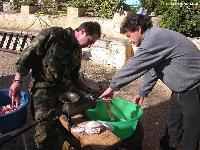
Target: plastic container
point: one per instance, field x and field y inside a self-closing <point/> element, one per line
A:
<point x="16" y="118"/>
<point x="125" y="113"/>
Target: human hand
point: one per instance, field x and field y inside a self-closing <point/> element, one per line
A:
<point x="138" y="99"/>
<point x="107" y="94"/>
<point x="14" y="93"/>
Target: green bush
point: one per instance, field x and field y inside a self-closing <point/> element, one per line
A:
<point x="182" y="18"/>
<point x="107" y="8"/>
<point x="77" y="3"/>
<point x="157" y="6"/>
<point x="101" y="8"/>
<point x="17" y="2"/>
<point x="24" y="2"/>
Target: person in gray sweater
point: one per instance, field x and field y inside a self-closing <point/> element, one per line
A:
<point x="171" y="57"/>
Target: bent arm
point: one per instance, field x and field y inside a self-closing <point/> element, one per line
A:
<point x="142" y="62"/>
<point x="24" y="64"/>
<point x="151" y="53"/>
<point x="15" y="89"/>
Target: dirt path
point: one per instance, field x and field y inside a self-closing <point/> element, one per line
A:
<point x="155" y="106"/>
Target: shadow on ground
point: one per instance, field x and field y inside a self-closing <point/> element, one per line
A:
<point x="6" y="81"/>
<point x="153" y="121"/>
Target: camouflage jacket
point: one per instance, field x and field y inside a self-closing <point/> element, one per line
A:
<point x="54" y="56"/>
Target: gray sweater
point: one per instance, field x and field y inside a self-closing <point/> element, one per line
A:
<point x="165" y="55"/>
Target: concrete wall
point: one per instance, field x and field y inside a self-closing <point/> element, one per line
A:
<point x="110" y="27"/>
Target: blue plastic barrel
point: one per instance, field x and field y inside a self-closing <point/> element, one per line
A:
<point x="15" y="119"/>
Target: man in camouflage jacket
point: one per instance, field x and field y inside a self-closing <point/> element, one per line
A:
<point x="54" y="57"/>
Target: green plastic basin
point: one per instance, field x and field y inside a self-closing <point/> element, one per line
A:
<point x="126" y="114"/>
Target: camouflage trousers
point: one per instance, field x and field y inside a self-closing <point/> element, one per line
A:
<point x="44" y="100"/>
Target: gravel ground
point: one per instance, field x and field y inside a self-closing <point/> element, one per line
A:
<point x="155" y="106"/>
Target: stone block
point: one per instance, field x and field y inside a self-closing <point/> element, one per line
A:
<point x="75" y="12"/>
<point x="110" y="52"/>
<point x="28" y="9"/>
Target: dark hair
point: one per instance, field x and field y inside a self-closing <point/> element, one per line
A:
<point x="132" y="21"/>
<point x="91" y="28"/>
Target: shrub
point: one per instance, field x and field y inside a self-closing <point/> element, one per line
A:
<point x="157" y="6"/>
<point x="77" y="3"/>
<point x="106" y="9"/>
<point x="102" y="8"/>
<point x="183" y="18"/>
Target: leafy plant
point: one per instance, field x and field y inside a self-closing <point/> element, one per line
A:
<point x="107" y="8"/>
<point x="17" y="2"/>
<point x="157" y="6"/>
<point x="25" y="2"/>
<point x="183" y="18"/>
<point x="77" y="3"/>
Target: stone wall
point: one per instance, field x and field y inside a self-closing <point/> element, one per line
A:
<point x="110" y="28"/>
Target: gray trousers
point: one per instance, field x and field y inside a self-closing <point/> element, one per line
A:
<point x="183" y="122"/>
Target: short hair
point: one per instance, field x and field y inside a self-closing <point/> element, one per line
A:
<point x="91" y="28"/>
<point x="133" y="20"/>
